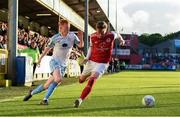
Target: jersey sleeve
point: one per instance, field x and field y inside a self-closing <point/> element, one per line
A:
<point x="115" y="34"/>
<point x="76" y="39"/>
<point x="52" y="42"/>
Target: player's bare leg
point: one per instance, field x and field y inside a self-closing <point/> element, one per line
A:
<point x="48" y="82"/>
<point x="38" y="89"/>
<point x="83" y="78"/>
<point x="57" y="80"/>
<point x="86" y="91"/>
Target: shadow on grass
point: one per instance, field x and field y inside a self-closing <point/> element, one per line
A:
<point x="89" y="111"/>
<point x="37" y="109"/>
<point x="14" y="91"/>
<point x="36" y="101"/>
<point x="71" y="111"/>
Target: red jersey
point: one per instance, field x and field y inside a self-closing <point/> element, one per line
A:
<point x="101" y="47"/>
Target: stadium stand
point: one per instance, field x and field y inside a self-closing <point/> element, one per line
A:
<point x="164" y="55"/>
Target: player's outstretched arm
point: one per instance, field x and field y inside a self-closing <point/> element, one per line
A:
<point x="80" y="36"/>
<point x="50" y="45"/>
<point x="88" y="54"/>
<point x="121" y="40"/>
<point x="46" y="50"/>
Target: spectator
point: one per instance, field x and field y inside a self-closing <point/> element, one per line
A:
<point x="122" y="65"/>
<point x="33" y="52"/>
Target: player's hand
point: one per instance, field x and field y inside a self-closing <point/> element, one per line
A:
<point x="122" y="43"/>
<point x="84" y="61"/>
<point x="80" y="35"/>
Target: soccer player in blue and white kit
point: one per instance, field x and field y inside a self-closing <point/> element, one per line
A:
<point x="62" y="43"/>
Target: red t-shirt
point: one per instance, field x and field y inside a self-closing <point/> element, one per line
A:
<point x="101" y="48"/>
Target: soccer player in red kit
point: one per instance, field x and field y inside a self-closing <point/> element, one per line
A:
<point x="98" y="57"/>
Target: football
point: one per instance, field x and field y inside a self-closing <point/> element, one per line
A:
<point x="148" y="101"/>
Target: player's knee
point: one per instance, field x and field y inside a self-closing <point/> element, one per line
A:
<point x="45" y="86"/>
<point x="58" y="80"/>
<point x="80" y="81"/>
<point x="95" y="75"/>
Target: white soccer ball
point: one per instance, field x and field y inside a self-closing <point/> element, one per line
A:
<point x="148" y="101"/>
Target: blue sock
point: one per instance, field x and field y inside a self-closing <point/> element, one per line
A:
<point x="37" y="90"/>
<point x="50" y="90"/>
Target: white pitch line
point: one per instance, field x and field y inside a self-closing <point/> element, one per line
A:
<point x="11" y="99"/>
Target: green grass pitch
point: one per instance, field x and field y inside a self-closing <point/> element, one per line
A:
<point x="117" y="94"/>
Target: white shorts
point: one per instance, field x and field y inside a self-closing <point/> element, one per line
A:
<point x="92" y="66"/>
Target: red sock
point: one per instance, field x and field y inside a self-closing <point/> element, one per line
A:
<point x="88" y="88"/>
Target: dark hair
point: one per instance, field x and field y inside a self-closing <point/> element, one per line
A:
<point x="101" y="25"/>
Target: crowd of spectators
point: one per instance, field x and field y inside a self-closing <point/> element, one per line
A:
<point x="162" y="59"/>
<point x="3" y="35"/>
<point x="31" y="40"/>
<point x="165" y="61"/>
<point x="168" y="60"/>
<point x="25" y="38"/>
